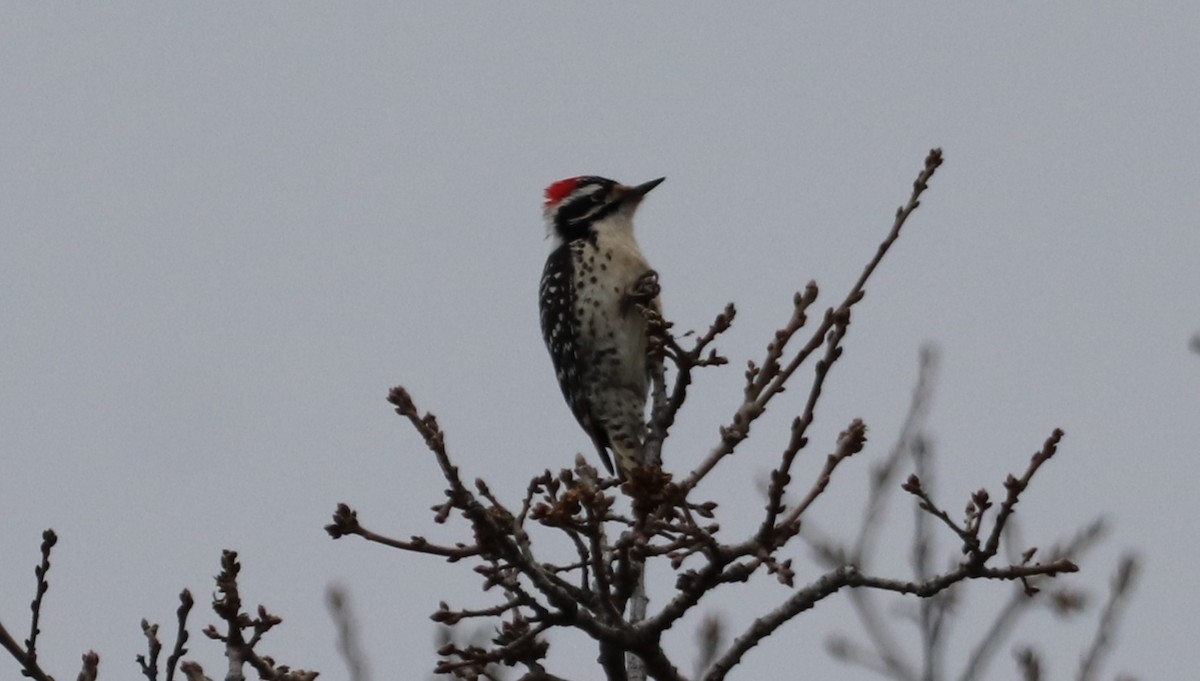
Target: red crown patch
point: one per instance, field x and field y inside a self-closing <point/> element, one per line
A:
<point x="560" y="190"/>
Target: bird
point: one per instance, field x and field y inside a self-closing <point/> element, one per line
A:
<point x="594" y="281"/>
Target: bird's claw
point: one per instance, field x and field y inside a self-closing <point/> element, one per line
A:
<point x="646" y="288"/>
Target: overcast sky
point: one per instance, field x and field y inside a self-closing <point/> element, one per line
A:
<point x="228" y="229"/>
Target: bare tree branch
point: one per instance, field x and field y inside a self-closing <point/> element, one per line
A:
<point x="239" y="650"/>
<point x="181" y="635"/>
<point x="26" y="655"/>
<point x="848" y="576"/>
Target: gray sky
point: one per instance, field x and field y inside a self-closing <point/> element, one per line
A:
<point x="227" y="230"/>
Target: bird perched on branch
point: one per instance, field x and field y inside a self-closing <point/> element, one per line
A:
<point x="593" y="284"/>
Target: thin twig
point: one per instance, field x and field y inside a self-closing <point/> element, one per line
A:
<point x="1030" y="663"/>
<point x="346" y="522"/>
<point x="149" y="665"/>
<point x="181" y="635"/>
<point x="90" y="669"/>
<point x="29" y="666"/>
<point x="884" y="472"/>
<point x="768" y="381"/>
<point x="930" y="611"/>
<point x="26" y="655"/>
<point x="1015" y="486"/>
<point x="49" y="539"/>
<point x="347" y="634"/>
<point x="1106" y="630"/>
<point x="781" y="476"/>
<point x="1019" y="602"/>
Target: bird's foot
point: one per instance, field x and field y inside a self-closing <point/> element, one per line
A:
<point x="646" y="288"/>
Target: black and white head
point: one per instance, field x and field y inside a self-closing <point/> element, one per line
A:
<point x="577" y="205"/>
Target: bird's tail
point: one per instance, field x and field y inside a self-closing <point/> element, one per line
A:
<point x="627" y="446"/>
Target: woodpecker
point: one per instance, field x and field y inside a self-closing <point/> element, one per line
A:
<point x="594" y="279"/>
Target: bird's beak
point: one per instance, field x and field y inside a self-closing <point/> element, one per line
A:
<point x="635" y="194"/>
